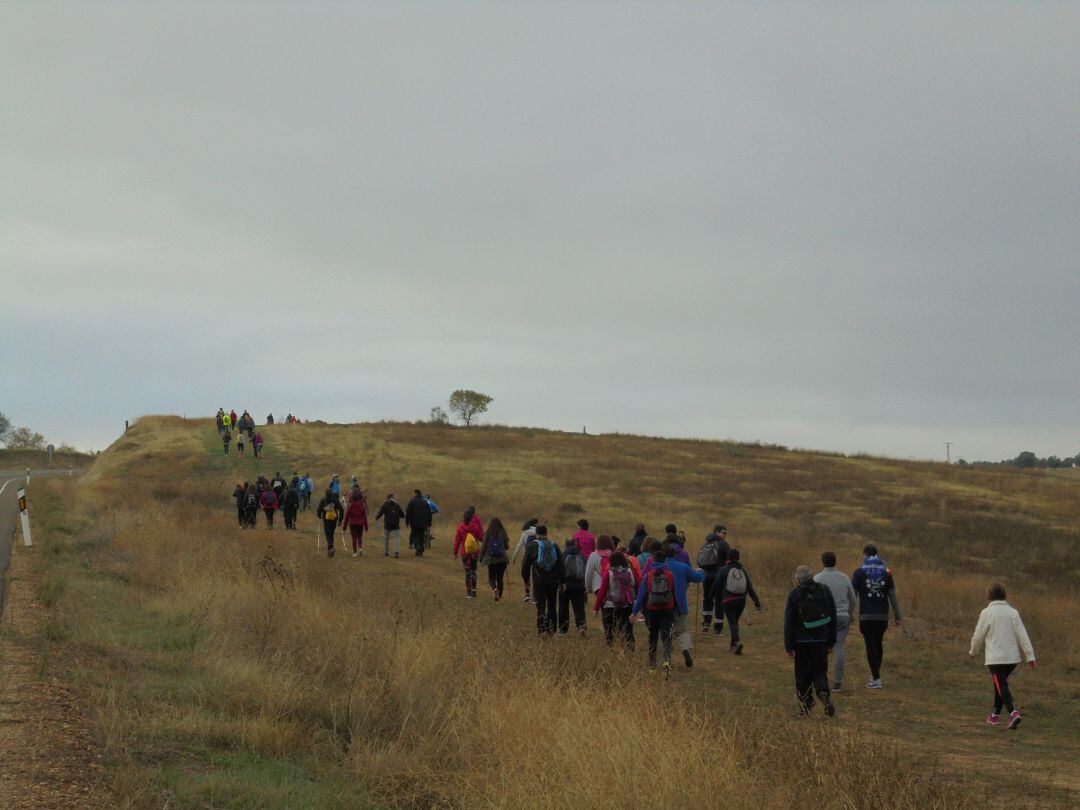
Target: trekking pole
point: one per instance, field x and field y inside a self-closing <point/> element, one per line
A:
<point x="697" y="625"/>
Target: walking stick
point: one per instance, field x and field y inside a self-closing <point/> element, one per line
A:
<point x="697" y="627"/>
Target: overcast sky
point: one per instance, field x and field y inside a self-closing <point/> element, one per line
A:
<point x="846" y="226"/>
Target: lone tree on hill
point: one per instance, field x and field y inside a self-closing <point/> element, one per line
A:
<point x="467" y="404"/>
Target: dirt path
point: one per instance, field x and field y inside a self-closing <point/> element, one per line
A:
<point x="48" y="759"/>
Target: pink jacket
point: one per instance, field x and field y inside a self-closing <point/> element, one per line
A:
<point x="586" y="541"/>
<point x="473" y="527"/>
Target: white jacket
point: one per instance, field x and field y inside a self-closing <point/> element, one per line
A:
<point x="523" y="542"/>
<point x="1003" y="635"/>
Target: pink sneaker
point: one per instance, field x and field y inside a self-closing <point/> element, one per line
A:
<point x="993" y="720"/>
<point x="1014" y="719"/>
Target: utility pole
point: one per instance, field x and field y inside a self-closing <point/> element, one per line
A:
<point x="948" y="452"/>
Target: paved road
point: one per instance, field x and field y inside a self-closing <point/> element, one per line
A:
<point x="10" y="481"/>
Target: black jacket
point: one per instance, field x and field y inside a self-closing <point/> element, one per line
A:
<point x="418" y="513"/>
<point x="723" y="548"/>
<point x="636" y="542"/>
<point x="391" y="514"/>
<point x="241" y="497"/>
<point x="719" y="590"/>
<point x="290" y="501"/>
<point x="320" y="511"/>
<point x="539" y="575"/>
<point x="794" y="630"/>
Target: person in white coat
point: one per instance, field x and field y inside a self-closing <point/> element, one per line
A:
<point x="1002" y="635"/>
<point x="528" y="534"/>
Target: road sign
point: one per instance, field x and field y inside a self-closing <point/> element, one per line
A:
<point x="24" y="513"/>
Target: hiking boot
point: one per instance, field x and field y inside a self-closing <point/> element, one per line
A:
<point x="737" y="649"/>
<point x="836" y="686"/>
<point x="1014" y="719"/>
<point x="718" y="631"/>
<point x="993" y="720"/>
<point x="874" y="683"/>
<point x="667" y="670"/>
<point x="688" y="658"/>
<point x="330" y="552"/>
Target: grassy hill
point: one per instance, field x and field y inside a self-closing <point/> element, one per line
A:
<point x="245" y="669"/>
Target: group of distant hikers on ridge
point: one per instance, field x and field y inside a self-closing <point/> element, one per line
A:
<point x="244" y="425"/>
<point x="647" y="581"/>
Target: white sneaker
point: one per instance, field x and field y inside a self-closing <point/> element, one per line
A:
<point x="874" y="683"/>
<point x="356" y="553"/>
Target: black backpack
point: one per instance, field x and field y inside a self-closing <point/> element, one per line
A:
<point x="813" y="605"/>
<point x="252" y="501"/>
<point x="575" y="569"/>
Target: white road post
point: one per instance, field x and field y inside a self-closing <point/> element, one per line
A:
<point x="25" y="514"/>
<point x="28" y="476"/>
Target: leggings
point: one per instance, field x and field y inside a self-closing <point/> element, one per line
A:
<point x="357" y="533"/>
<point x="733" y="610"/>
<point x="468" y="562"/>
<point x="496" y="577"/>
<point x="616" y="622"/>
<point x="1000" y="673"/>
<point x="707" y="602"/>
<point x="873" y="631"/>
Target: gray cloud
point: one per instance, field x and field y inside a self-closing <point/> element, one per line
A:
<point x="822" y="225"/>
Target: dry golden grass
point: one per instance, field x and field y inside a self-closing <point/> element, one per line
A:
<point x="243" y="669"/>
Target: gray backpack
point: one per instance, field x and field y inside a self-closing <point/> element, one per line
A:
<point x="736" y="582"/>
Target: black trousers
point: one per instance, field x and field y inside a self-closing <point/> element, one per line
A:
<point x="660" y="625"/>
<point x="732" y="612"/>
<point x="1002" y="696"/>
<point x="571" y="598"/>
<point x="416" y="539"/>
<point x="617" y="622"/>
<point x="547" y="618"/>
<point x="290" y="518"/>
<point x="269" y="517"/>
<point x="241" y="515"/>
<point x="329" y="527"/>
<point x="873" y="631"/>
<point x="811" y="673"/>
<point x="707" y="607"/>
<point x="496" y="574"/>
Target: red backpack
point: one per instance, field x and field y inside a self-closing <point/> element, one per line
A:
<point x="660" y="590"/>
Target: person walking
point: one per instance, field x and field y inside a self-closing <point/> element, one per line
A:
<point x="290" y="505"/>
<point x="434" y="507"/>
<point x="1001" y="633"/>
<point x="596" y="563"/>
<point x="843" y="595"/>
<point x="257" y="445"/>
<point x="656" y="595"/>
<point x="731" y="586"/>
<point x="240" y="443"/>
<point x="873" y="583"/>
<point x="615" y="600"/>
<point x="418" y="519"/>
<point x="809" y="635"/>
<point x="585" y="539"/>
<point x="240" y="497"/>
<point x="251" y="507"/>
<point x="226" y="437"/>
<point x="710" y="559"/>
<point x="637" y="540"/>
<point x="335" y="484"/>
<point x="355" y="520"/>
<point x="544" y="561"/>
<point x="528" y="532"/>
<point x="391" y="514"/>
<point x="331" y="512"/>
<point x="277" y="483"/>
<point x="269" y="503"/>
<point x="495" y="555"/>
<point x="226" y="421"/>
<point x="572" y="589"/>
<point x="468" y="540"/>
<point x="220" y="423"/>
<point x="307" y="488"/>
<point x="684" y="574"/>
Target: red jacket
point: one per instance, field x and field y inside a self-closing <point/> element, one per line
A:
<point x="473" y="527"/>
<point x="268" y="500"/>
<point x="355" y="515"/>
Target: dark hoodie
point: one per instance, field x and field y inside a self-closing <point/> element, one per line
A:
<point x="573" y="568"/>
<point x="719" y="589"/>
<point x="636" y="542"/>
<point x="391" y="514"/>
<point x="794" y="630"/>
<point x="539" y="575"/>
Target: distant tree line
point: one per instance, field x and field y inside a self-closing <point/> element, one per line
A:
<point x="1028" y="461"/>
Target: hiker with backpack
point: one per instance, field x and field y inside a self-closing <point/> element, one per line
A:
<point x="307" y="486"/>
<point x="468" y="541"/>
<point x="355" y="520"/>
<point x="1001" y="633"/>
<point x="240" y="443"/>
<point x="277" y="483"/>
<point x="809" y="636"/>
<point x="711" y="558"/>
<point x="418" y="520"/>
<point x="615" y="600"/>
<point x="391" y="514"/>
<point x="585" y="539"/>
<point x="226" y="422"/>
<point x="331" y="512"/>
<point x="251" y="506"/>
<point x="257" y="445"/>
<point x="656" y="595"/>
<point x="434" y="507"/>
<point x="684" y="574"/>
<point x="544" y="562"/>
<point x="843" y="595"/>
<point x="572" y="591"/>
<point x="290" y="505"/>
<point x="269" y="503"/>
<point x="218" y="419"/>
<point x="528" y="532"/>
<point x="873" y="583"/>
<point x="596" y="563"/>
<point x="495" y="555"/>
<point x="731" y="586"/>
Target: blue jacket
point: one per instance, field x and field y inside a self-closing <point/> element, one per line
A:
<point x="683" y="575"/>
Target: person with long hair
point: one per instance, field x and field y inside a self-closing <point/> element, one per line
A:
<point x="494" y="556"/>
<point x="467" y="543"/>
<point x="1001" y="633"/>
<point x="355" y="520"/>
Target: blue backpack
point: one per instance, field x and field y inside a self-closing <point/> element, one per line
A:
<point x="545" y="554"/>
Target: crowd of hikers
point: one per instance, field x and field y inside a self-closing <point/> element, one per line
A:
<point x="646" y="580"/>
<point x="243" y="427"/>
